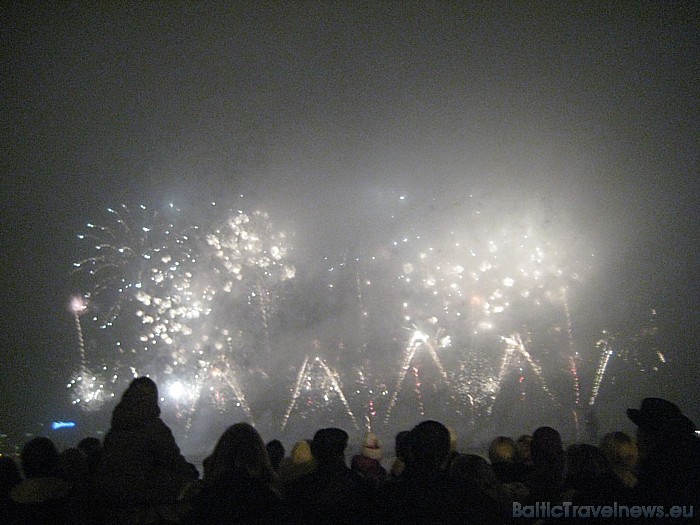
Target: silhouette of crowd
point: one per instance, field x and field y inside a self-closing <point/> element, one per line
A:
<point x="138" y="476"/>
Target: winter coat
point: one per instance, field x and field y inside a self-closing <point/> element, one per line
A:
<point x="41" y="500"/>
<point x="332" y="494"/>
<point x="237" y="498"/>
<point x="369" y="468"/>
<point x="141" y="463"/>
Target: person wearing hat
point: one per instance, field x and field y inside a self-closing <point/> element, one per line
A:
<point x="368" y="462"/>
<point x="669" y="467"/>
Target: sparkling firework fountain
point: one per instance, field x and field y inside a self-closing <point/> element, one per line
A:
<point x="88" y="389"/>
<point x="316" y="378"/>
<point x="472" y="286"/>
<point x="418" y="340"/>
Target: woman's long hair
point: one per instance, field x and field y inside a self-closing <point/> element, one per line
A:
<point x="240" y="450"/>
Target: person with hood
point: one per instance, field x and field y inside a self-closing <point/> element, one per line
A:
<point x="299" y="463"/>
<point x="140" y="464"/>
<point x="368" y="462"/>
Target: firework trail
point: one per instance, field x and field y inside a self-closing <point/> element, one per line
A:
<point x="295" y="392"/>
<point x="418" y="339"/>
<point x="87" y="388"/>
<point x="606" y="352"/>
<point x="515" y="341"/>
<point x="230" y="379"/>
<point x="304" y="372"/>
<point x="78" y="307"/>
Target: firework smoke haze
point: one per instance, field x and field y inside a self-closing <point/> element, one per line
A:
<point x="501" y="169"/>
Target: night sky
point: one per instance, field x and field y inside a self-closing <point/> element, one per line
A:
<point x="326" y="111"/>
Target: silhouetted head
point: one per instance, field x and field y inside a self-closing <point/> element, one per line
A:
<point x="40" y="458"/>
<point x="142" y="388"/>
<point x="89" y="446"/>
<point x="240" y="450"/>
<point x="502" y="450"/>
<point x="429" y="445"/>
<point x="659" y="423"/>
<point x="275" y="450"/>
<point x="620" y="450"/>
<point x="73" y="465"/>
<point x="301" y="452"/>
<point x="546" y="447"/>
<point x="473" y="471"/>
<point x="329" y="444"/>
<point x="138" y="403"/>
<point x="522" y="449"/>
<point x="402" y="445"/>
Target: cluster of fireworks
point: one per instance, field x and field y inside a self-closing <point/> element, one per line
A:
<point x="171" y="299"/>
<point x="453" y="311"/>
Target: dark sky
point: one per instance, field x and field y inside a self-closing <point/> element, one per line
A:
<point x="319" y="109"/>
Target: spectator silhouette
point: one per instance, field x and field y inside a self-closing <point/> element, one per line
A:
<point x="238" y="484"/>
<point x="669" y="466"/>
<point x="333" y="493"/>
<point x="589" y="478"/>
<point x="275" y="451"/>
<point x="523" y="454"/>
<point x="9" y="479"/>
<point x="479" y="488"/>
<point x="73" y="466"/>
<point x="502" y="455"/>
<point x="545" y="481"/>
<point x="92" y="450"/>
<point x="141" y="465"/>
<point x="424" y="493"/>
<point x="43" y="496"/>
<point x="368" y="462"/>
<point x="621" y="452"/>
<point x="401" y="451"/>
<point x="299" y="463"/>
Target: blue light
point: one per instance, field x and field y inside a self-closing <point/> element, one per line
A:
<point x="56" y="425"/>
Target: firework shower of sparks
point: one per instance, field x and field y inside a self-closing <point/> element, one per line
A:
<point x="197" y="306"/>
<point x="162" y="294"/>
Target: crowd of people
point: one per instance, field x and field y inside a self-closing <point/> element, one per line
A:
<point x="137" y="475"/>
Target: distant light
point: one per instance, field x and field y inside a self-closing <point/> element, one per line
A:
<point x="57" y="425"/>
